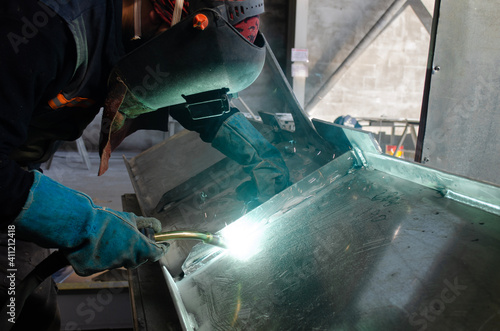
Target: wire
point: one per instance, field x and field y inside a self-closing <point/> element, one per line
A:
<point x="44" y="269"/>
<point x="137" y="19"/>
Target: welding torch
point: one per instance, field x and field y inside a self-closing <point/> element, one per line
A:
<point x="205" y="237"/>
<point x="56" y="261"/>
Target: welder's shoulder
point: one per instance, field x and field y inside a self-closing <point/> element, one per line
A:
<point x="32" y="30"/>
<point x="21" y="8"/>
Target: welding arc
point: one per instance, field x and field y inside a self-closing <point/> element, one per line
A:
<point x="206" y="237"/>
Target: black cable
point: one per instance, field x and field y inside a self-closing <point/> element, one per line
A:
<point x="44" y="269"/>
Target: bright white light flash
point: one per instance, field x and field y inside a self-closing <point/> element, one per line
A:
<point x="396" y="233"/>
<point x="243" y="239"/>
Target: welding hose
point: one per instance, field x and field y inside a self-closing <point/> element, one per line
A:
<point x="35" y="278"/>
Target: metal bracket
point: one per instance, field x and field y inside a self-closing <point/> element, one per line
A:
<point x="208" y="104"/>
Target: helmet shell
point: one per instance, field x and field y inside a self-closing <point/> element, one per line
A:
<point x="184" y="61"/>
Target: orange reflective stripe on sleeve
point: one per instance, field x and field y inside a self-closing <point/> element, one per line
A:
<point x="61" y="101"/>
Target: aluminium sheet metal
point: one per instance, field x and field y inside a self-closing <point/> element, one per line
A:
<point x="354" y="247"/>
<point x="462" y="133"/>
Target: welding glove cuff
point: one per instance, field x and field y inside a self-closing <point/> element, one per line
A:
<point x="238" y="139"/>
<point x="91" y="237"/>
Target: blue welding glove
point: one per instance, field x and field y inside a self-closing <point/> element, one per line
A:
<point x="92" y="238"/>
<point x="238" y="139"/>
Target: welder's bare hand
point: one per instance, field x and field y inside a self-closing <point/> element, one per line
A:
<point x="92" y="238"/>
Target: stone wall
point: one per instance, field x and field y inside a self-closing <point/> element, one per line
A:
<point x="386" y="79"/>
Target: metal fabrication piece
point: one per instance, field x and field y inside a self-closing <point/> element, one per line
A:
<point x="367" y="242"/>
<point x="360" y="241"/>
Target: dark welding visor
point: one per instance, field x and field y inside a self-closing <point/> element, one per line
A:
<point x="186" y="60"/>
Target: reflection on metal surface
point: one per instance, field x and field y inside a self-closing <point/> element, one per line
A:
<point x="187" y="323"/>
<point x="490" y="207"/>
<point x="353" y="246"/>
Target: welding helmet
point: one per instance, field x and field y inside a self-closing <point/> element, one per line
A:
<point x="191" y="67"/>
<point x="187" y="61"/>
<point x="242" y="14"/>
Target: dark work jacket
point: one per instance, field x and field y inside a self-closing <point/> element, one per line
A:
<point x="55" y="58"/>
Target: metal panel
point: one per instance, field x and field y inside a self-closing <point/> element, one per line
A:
<point x="187" y="184"/>
<point x="463" y="118"/>
<point x="353" y="246"/>
<point x="167" y="165"/>
<point x="366" y="241"/>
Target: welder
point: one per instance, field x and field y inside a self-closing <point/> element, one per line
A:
<point x="61" y="62"/>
